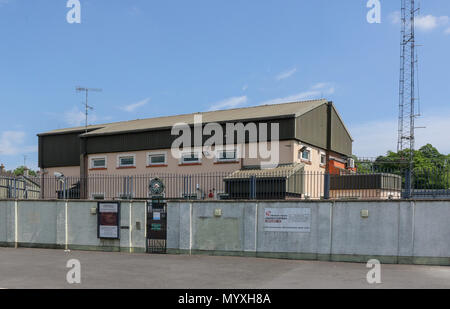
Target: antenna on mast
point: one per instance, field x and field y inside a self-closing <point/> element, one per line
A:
<point x="86" y="105"/>
<point x="407" y="93"/>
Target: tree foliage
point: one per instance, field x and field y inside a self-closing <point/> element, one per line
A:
<point x="20" y="171"/>
<point x="431" y="169"/>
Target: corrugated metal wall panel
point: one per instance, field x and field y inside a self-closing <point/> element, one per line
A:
<point x="341" y="141"/>
<point x="163" y="139"/>
<point x="312" y="127"/>
<point x="64" y="149"/>
<point x="59" y="150"/>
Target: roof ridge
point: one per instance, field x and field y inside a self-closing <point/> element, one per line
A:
<point x="221" y="110"/>
<point x="245" y="110"/>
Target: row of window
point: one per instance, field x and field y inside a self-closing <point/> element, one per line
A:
<point x="160" y="159"/>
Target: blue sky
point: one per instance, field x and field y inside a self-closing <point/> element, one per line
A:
<point x="154" y="58"/>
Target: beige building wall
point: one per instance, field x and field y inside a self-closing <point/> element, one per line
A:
<point x="174" y="166"/>
<point x="70" y="171"/>
<point x="114" y="185"/>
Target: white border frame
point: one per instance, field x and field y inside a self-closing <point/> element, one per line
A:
<point x="158" y="153"/>
<point x="321" y="153"/>
<point x="126" y="155"/>
<point x="96" y="158"/>
<point x="199" y="154"/>
<point x="92" y="196"/>
<point x="310" y="154"/>
<point x="218" y="160"/>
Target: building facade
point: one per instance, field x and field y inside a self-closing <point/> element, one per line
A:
<point x="310" y="133"/>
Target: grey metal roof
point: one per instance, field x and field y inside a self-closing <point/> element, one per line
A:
<point x="293" y="109"/>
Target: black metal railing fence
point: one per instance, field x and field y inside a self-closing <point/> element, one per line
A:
<point x="379" y="184"/>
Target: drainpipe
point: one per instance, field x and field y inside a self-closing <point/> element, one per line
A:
<point x="328" y="151"/>
<point x="83" y="169"/>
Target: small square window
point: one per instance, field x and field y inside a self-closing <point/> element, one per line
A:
<point x="126" y="161"/>
<point x="323" y="159"/>
<point x="305" y="155"/>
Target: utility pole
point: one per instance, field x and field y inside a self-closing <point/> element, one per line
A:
<point x="86" y="105"/>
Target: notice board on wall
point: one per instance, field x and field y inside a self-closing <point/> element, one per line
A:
<point x="296" y="220"/>
<point x="108" y="220"/>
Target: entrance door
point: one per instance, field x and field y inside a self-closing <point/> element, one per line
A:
<point x="156" y="226"/>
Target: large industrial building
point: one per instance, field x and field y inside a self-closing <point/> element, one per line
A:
<point x="311" y="133"/>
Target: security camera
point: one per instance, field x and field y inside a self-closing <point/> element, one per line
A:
<point x="58" y="175"/>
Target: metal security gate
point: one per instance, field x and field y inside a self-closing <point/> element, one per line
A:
<point x="156" y="226"/>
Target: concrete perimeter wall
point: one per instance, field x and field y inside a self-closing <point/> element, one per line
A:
<point x="43" y="224"/>
<point x="406" y="232"/>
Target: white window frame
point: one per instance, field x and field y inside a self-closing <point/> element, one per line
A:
<point x="154" y="154"/>
<point x="198" y="153"/>
<point x="218" y="152"/>
<point x="322" y="154"/>
<point x="91" y="162"/>
<point x="126" y="155"/>
<point x="310" y="154"/>
<point x="94" y="195"/>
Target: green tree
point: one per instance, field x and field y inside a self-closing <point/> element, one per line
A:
<point x="20" y="171"/>
<point x="431" y="169"/>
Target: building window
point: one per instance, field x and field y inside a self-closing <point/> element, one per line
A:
<point x="305" y="155"/>
<point x="227" y="156"/>
<point x="156" y="159"/>
<point x="98" y="196"/>
<point x="323" y="159"/>
<point x="190" y="158"/>
<point x="98" y="163"/>
<point x="126" y="161"/>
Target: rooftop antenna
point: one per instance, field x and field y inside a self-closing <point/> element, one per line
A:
<point x="86" y="105"/>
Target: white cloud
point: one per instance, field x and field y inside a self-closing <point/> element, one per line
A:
<point x="447" y="31"/>
<point x="430" y="22"/>
<point x="76" y="117"/>
<point x="423" y="22"/>
<point x="316" y="91"/>
<point x="229" y="103"/>
<point x="376" y="138"/>
<point x="286" y="74"/>
<point x="132" y="107"/>
<point x="12" y="143"/>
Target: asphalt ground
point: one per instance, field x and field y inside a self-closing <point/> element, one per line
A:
<point x="47" y="269"/>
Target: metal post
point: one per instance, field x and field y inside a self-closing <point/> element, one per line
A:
<point x="408" y="177"/>
<point x="15" y="188"/>
<point x="326" y="189"/>
<point x="253" y="187"/>
<point x="25" y="188"/>
<point x="64" y="188"/>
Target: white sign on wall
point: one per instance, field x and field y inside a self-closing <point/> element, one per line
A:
<point x="108" y="220"/>
<point x="296" y="220"/>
